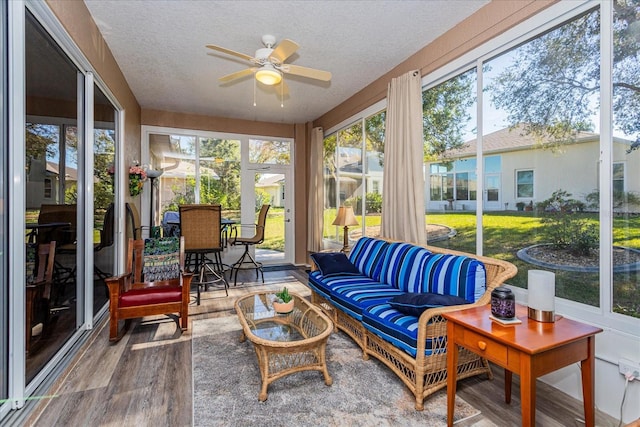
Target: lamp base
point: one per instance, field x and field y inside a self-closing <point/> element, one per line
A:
<point x="541" y="316"/>
<point x="345" y="246"/>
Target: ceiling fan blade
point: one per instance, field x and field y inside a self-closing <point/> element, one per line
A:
<point x="307" y="72"/>
<point x="230" y="52"/>
<point x="236" y="75"/>
<point x="285" y="49"/>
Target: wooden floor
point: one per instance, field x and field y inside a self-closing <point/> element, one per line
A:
<point x="146" y="378"/>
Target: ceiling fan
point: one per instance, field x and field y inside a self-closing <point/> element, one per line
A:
<point x="269" y="63"/>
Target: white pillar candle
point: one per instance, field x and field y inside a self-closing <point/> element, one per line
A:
<point x="542" y="290"/>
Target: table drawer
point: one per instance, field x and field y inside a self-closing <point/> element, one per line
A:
<point x="485" y="347"/>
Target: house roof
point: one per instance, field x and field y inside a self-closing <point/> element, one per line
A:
<point x="71" y="174"/>
<point x="511" y="139"/>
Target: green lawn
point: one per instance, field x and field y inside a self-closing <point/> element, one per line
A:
<point x="504" y="233"/>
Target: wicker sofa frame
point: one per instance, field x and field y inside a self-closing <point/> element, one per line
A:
<point x="424" y="374"/>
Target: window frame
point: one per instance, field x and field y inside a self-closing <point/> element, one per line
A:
<point x="518" y="184"/>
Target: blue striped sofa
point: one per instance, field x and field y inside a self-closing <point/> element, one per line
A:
<point x="412" y="347"/>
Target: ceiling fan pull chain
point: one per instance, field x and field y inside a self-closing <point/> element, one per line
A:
<point x="282" y="92"/>
<point x="254" y="92"/>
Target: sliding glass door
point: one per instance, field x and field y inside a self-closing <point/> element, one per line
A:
<point x="53" y="167"/>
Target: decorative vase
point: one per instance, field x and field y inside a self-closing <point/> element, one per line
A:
<point x="503" y="303"/>
<point x="283" y="307"/>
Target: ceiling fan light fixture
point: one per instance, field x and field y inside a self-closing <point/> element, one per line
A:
<point x="268" y="75"/>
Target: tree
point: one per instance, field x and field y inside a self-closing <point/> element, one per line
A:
<point x="104" y="158"/>
<point x="223" y="159"/>
<point x="445" y="114"/>
<point x="270" y="152"/>
<point x="551" y="87"/>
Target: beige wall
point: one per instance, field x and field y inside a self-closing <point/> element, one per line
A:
<point x="215" y="124"/>
<point x="79" y="24"/>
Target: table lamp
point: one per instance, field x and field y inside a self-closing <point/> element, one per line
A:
<point x="344" y="219"/>
<point x="542" y="294"/>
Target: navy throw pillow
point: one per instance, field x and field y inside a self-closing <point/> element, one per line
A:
<point x="414" y="304"/>
<point x="334" y="264"/>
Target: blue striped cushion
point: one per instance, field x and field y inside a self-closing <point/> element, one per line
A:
<point x="402" y="266"/>
<point x="455" y="275"/>
<point x="324" y="285"/>
<point x="399" y="329"/>
<point x="368" y="255"/>
<point x="354" y="298"/>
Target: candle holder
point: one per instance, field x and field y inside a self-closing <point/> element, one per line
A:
<point x="503" y="303"/>
<point x="542" y="293"/>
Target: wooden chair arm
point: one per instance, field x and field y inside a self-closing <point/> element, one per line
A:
<point x="119" y="284"/>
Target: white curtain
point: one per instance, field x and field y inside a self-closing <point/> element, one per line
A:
<point x="403" y="210"/>
<point x="315" y="212"/>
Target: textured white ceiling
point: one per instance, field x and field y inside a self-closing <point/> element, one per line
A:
<point x="160" y="47"/>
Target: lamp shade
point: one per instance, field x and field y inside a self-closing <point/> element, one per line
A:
<point x="268" y="75"/>
<point x="345" y="217"/>
<point x="542" y="293"/>
<point x="154" y="173"/>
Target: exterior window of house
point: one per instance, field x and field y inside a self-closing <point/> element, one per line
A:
<point x="47" y="188"/>
<point x="466" y="186"/>
<point x="459" y="175"/>
<point x="618" y="177"/>
<point x="441" y="181"/>
<point x="375" y="187"/>
<point x="524" y="184"/>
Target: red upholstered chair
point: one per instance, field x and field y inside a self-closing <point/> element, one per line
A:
<point x="155" y="283"/>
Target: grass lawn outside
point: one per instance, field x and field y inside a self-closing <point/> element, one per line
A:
<point x="504" y="233"/>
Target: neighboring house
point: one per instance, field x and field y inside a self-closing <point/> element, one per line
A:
<point x="518" y="169"/>
<point x="273" y="184"/>
<point x="349" y="175"/>
<point x="174" y="179"/>
<point x="44" y="184"/>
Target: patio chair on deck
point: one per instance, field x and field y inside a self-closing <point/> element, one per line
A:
<point x="247" y="261"/>
<point x="200" y="226"/>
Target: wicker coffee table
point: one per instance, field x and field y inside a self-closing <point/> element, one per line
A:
<point x="284" y="343"/>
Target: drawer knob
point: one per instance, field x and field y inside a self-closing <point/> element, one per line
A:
<point x="482" y="345"/>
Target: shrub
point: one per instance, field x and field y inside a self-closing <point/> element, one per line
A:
<point x="374" y="203"/>
<point x="564" y="228"/>
<point x="560" y="201"/>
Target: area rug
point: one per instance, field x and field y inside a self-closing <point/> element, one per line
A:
<point x="226" y="382"/>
